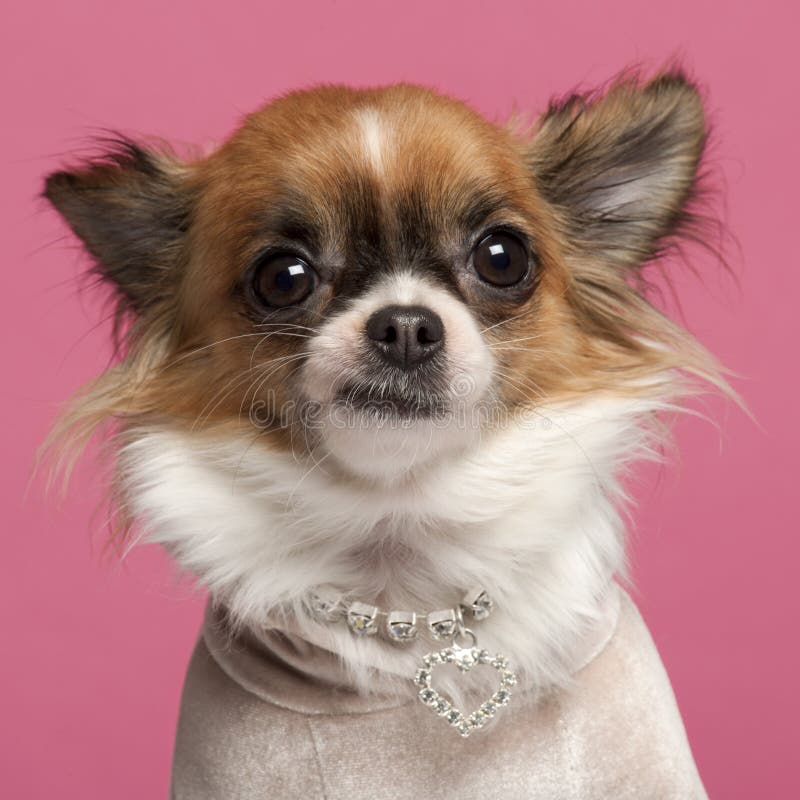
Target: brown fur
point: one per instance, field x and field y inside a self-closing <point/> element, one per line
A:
<point x="176" y="240"/>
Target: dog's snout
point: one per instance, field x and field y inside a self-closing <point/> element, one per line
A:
<point x="405" y="335"/>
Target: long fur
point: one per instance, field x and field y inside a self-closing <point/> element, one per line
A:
<point x="387" y="186"/>
<point x="532" y="515"/>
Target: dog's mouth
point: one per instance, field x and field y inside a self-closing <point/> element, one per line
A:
<point x="378" y="402"/>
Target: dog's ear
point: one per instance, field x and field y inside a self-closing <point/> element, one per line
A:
<point x="131" y="209"/>
<point x="621" y="167"/>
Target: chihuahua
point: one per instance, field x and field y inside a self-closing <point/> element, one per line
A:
<point x="383" y="365"/>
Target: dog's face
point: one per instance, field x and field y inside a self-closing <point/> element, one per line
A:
<point x="383" y="276"/>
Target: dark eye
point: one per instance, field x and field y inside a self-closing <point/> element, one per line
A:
<point x="283" y="280"/>
<point x="501" y="259"/>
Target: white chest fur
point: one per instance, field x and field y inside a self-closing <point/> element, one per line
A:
<point x="529" y="513"/>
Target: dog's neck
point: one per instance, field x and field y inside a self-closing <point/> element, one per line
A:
<point x="285" y="668"/>
<point x="530" y="514"/>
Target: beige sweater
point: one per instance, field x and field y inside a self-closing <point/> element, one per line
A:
<point x="253" y="725"/>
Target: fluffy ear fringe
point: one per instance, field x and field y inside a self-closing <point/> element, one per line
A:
<point x="622" y="165"/>
<point x="625" y="169"/>
<point x="130" y="206"/>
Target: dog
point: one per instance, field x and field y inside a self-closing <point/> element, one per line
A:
<point x="383" y="366"/>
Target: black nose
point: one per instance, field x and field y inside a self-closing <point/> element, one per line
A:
<point x="405" y="335"/>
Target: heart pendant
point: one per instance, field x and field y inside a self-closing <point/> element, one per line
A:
<point x="465" y="659"/>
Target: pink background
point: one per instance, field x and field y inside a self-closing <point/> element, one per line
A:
<point x="92" y="651"/>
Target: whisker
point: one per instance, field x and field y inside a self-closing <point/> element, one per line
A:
<point x="260" y="379"/>
<point x="506" y="321"/>
<point x="210" y="345"/>
<point x="222" y="393"/>
<point x="288" y="325"/>
<point x="523" y="384"/>
<point x="229" y="387"/>
<point x="514" y="341"/>
<point x="284" y="328"/>
<point x="536" y="351"/>
<point x="266" y="336"/>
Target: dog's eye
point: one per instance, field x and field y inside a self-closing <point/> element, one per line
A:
<point x="501" y="259"/>
<point x="283" y="280"/>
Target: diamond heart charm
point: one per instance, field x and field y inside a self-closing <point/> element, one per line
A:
<point x="465" y="659"/>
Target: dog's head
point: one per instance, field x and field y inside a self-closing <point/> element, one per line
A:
<point x="383" y="275"/>
<point x="384" y="281"/>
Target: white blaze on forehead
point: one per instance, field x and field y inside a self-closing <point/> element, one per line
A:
<point x="375" y="137"/>
<point x="406" y="288"/>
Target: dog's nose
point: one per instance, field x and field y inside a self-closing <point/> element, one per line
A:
<point x="405" y="335"/>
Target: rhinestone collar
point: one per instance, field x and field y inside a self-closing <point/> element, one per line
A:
<point x="442" y="625"/>
<point x="298" y="669"/>
<point x="364" y="619"/>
